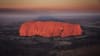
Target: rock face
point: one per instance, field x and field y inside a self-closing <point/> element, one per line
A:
<point x="49" y="29"/>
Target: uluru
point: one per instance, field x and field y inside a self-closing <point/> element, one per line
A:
<point x="50" y="29"/>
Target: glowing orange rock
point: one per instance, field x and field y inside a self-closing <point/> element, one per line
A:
<point x="49" y="29"/>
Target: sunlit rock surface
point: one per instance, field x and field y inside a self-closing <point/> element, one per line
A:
<point x="49" y="29"/>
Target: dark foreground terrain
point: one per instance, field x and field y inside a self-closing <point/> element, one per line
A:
<point x="30" y="47"/>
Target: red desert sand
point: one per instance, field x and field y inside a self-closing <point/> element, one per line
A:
<point x="50" y="29"/>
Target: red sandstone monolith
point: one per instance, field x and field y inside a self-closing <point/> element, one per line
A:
<point x="49" y="29"/>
